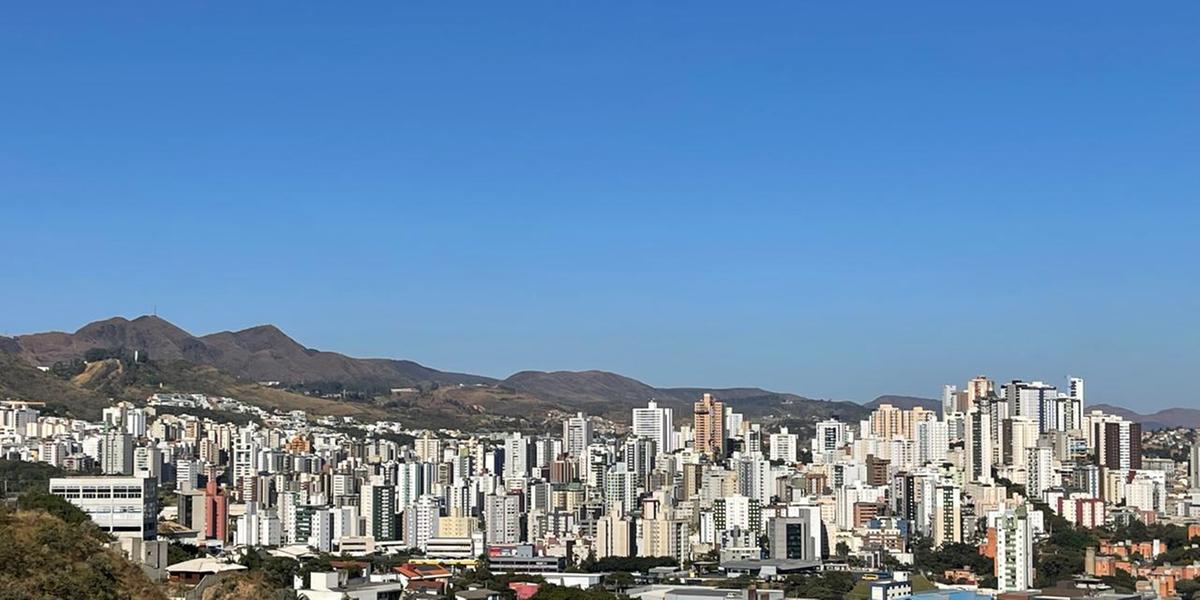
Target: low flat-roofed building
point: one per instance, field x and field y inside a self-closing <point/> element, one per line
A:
<point x="582" y="581"/>
<point x="478" y="594"/>
<point x="521" y="558"/>
<point x="768" y="568"/>
<point x="337" y="585"/>
<point x="701" y="592"/>
<point x="451" y="548"/>
<point x="122" y="506"/>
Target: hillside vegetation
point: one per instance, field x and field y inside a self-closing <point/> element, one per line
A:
<point x="43" y="557"/>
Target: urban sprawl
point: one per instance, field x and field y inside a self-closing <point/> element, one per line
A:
<point x="1010" y="490"/>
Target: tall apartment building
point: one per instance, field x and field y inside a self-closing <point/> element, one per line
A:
<point x="664" y="536"/>
<point x="657" y="424"/>
<point x="577" y="435"/>
<point x="709" y="426"/>
<point x="519" y="455"/>
<point x="1118" y="444"/>
<point x="1075" y="388"/>
<point x="784" y="446"/>
<point x="887" y="421"/>
<point x="831" y="435"/>
<point x="796" y="538"/>
<point x="1194" y="467"/>
<point x="1013" y="535"/>
<point x="978" y="447"/>
<point x="421" y="521"/>
<point x="1018" y="434"/>
<point x="216" y="512"/>
<point x="1035" y="400"/>
<point x="947" y="514"/>
<point x="979" y="387"/>
<point x="502" y="519"/>
<point x="615" y="536"/>
<point x="428" y="447"/>
<point x="379" y="510"/>
<point x="116" y="453"/>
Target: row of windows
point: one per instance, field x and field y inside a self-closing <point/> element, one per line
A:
<point x="103" y="510"/>
<point x="94" y="492"/>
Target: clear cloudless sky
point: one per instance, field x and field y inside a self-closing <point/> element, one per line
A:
<point x="838" y="199"/>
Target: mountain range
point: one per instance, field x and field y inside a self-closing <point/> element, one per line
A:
<point x="264" y="365"/>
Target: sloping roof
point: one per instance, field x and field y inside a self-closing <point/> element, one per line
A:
<point x="203" y="565"/>
<point x="414" y="570"/>
<point x="476" y="594"/>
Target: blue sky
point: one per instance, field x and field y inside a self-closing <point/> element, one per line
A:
<point x="835" y="199"/>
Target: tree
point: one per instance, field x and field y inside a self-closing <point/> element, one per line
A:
<point x="42" y="556"/>
<point x="619" y="580"/>
<point x="38" y="500"/>
<point x="1187" y="588"/>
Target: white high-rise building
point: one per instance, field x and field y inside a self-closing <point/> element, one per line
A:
<point x="655" y="423"/>
<point x="784" y="446"/>
<point x="933" y="441"/>
<point x="1035" y="400"/>
<point x="1039" y="463"/>
<point x="831" y="435"/>
<point x="421" y="521"/>
<point x="1075" y="388"/>
<point x="577" y="435"/>
<point x="1194" y="467"/>
<point x="1014" y="548"/>
<point x="516" y="456"/>
<point x="978" y="447"/>
<point x="244" y="452"/>
<point x="320" y="533"/>
<point x="502" y="518"/>
<point x="1020" y="434"/>
<point x="620" y="489"/>
<point x="16" y="416"/>
<point x="948" y="395"/>
<point x="947" y="514"/>
<point x="412" y="481"/>
<point x="135" y="422"/>
<point x="116" y="453"/>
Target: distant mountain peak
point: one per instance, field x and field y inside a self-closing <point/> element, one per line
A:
<point x="259" y="353"/>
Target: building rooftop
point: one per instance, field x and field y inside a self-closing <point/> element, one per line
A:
<point x="203" y="565"/>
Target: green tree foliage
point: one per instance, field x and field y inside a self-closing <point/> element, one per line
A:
<point x="177" y="552"/>
<point x="45" y="501"/>
<point x="277" y="571"/>
<point x="556" y="592"/>
<point x="619" y="581"/>
<point x="1188" y="589"/>
<point x="20" y="476"/>
<point x="954" y="555"/>
<point x="630" y="564"/>
<point x="43" y="557"/>
<point x="1061" y="556"/>
<point x="1121" y="581"/>
<point x="829" y="585"/>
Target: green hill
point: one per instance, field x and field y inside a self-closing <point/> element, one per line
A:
<point x="43" y="557"/>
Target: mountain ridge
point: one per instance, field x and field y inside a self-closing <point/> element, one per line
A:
<point x="265" y="353"/>
<point x="1166" y="418"/>
<point x="258" y="353"/>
